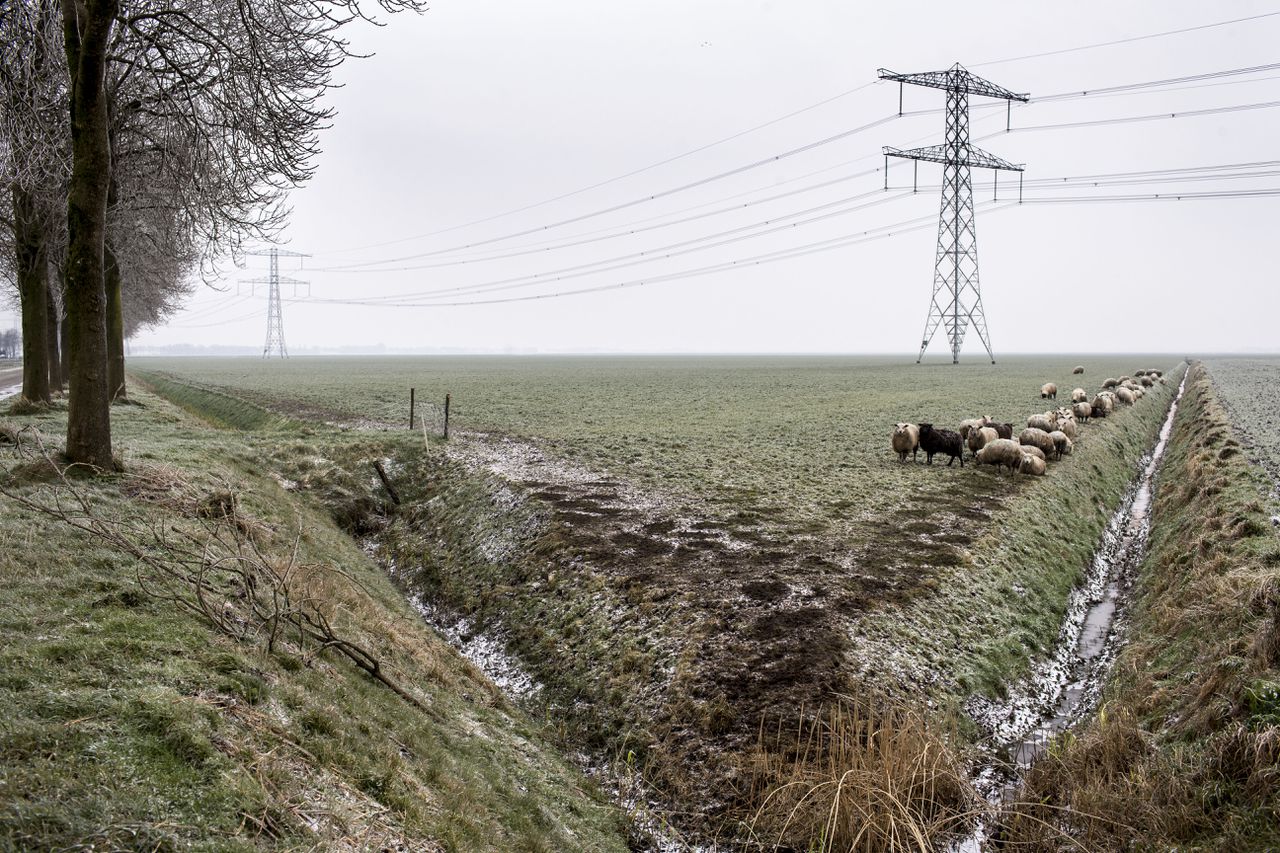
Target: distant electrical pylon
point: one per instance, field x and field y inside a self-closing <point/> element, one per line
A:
<point x="957" y="301"/>
<point x="275" y="316"/>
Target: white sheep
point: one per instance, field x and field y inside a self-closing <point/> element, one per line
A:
<point x="1031" y="436"/>
<point x="1032" y="465"/>
<point x="1061" y="443"/>
<point x="1032" y="450"/>
<point x="906" y="439"/>
<point x="978" y="438"/>
<point x="1047" y="421"/>
<point x="1001" y="452"/>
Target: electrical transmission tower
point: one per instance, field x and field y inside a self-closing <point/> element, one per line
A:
<point x="275" y="316"/>
<point x="957" y="301"/>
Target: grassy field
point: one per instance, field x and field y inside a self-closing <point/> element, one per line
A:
<point x="684" y="549"/>
<point x="1250" y="389"/>
<point x="133" y="722"/>
<point x="799" y="442"/>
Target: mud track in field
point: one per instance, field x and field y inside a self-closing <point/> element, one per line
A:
<point x="756" y="613"/>
<point x="759" y="618"/>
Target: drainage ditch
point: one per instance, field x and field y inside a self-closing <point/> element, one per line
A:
<point x="1066" y="686"/>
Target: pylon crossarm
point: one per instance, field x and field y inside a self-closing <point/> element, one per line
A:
<point x="968" y="155"/>
<point x="957" y="79"/>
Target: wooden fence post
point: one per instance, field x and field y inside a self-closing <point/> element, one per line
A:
<point x="410" y="408"/>
<point x="446" y="415"/>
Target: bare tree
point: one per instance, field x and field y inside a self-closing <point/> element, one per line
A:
<point x="240" y="84"/>
<point x="32" y="165"/>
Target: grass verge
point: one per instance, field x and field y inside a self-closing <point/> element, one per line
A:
<point x="134" y="724"/>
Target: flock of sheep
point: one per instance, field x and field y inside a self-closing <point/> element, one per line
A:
<point x="1048" y="435"/>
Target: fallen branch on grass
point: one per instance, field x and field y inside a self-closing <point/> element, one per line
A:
<point x="216" y="568"/>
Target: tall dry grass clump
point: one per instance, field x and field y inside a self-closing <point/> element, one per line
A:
<point x="858" y="775"/>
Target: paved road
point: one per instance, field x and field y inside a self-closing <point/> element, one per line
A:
<point x="10" y="381"/>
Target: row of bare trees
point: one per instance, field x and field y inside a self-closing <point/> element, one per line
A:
<point x="140" y="142"/>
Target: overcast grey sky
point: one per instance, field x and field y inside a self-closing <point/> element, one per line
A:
<point x="479" y="107"/>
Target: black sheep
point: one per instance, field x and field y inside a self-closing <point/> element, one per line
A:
<point x="1003" y="430"/>
<point x="941" y="441"/>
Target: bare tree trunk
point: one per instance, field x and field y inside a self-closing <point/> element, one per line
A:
<point x="52" y="340"/>
<point x="115" y="326"/>
<point x="31" y="255"/>
<point x="87" y="29"/>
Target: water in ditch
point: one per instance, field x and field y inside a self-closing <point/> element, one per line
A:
<point x="1066" y="686"/>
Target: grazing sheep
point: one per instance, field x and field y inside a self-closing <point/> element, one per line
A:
<point x="1034" y="437"/>
<point x="1078" y="369"/>
<point x="1102" y="406"/>
<point x="1047" y="422"/>
<point x="1003" y="430"/>
<point x="1079" y="395"/>
<point x="1032" y="450"/>
<point x="906" y="439"/>
<point x="941" y="441"/>
<point x="1067" y="426"/>
<point x="1125" y="395"/>
<point x="1158" y="374"/>
<point x="1130" y="384"/>
<point x="1110" y="383"/>
<point x="1147" y="381"/>
<point x="979" y="437"/>
<point x="1001" y="452"/>
<point x="1031" y="465"/>
<point x="1061" y="443"/>
<point x="1083" y="411"/>
<point x="1048" y="391"/>
<point x="1124" y="379"/>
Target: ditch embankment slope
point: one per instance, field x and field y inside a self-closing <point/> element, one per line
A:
<point x="1184" y="752"/>
<point x="132" y="723"/>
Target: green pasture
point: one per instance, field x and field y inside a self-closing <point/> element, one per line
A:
<point x="802" y="441"/>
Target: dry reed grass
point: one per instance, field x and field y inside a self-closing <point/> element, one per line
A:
<point x="859" y="775"/>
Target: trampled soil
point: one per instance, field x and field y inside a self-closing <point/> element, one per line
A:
<point x="758" y="623"/>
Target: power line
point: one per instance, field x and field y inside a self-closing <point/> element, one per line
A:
<point x="624" y="176"/>
<point x="824" y="246"/>
<point x="673" y="250"/>
<point x="1263" y="105"/>
<point x="813" y="248"/>
<point x="644" y="199"/>
<point x="254" y="313"/>
<point x="769" y="257"/>
<point x="374" y="265"/>
<point x="1265" y="192"/>
<point x="769" y="226"/>
<point x="793" y="114"/>
<point x="1128" y="40"/>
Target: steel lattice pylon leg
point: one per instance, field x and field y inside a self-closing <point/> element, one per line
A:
<point x="275" y="316"/>
<point x="956" y="304"/>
